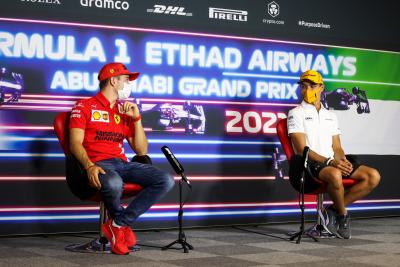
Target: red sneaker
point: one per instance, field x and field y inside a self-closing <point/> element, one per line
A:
<point x="130" y="237"/>
<point x="116" y="237"/>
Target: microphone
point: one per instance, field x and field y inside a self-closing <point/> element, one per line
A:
<point x="306" y="151"/>
<point x="178" y="168"/>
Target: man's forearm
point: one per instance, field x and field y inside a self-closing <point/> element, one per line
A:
<point x="316" y="157"/>
<point x="140" y="139"/>
<point x="80" y="154"/>
<point x="339" y="154"/>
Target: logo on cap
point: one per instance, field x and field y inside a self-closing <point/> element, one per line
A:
<point x="311" y="75"/>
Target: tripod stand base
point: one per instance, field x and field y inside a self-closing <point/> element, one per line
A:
<point x="301" y="234"/>
<point x="181" y="235"/>
<point x="185" y="245"/>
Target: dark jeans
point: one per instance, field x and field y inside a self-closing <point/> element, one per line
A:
<point x="155" y="182"/>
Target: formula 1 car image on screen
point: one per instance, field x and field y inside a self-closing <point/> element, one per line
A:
<point x="341" y="99"/>
<point x="11" y="84"/>
<point x="167" y="116"/>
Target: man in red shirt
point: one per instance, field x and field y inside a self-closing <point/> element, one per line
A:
<point x="98" y="127"/>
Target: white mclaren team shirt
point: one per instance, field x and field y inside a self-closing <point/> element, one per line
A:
<point x="318" y="127"/>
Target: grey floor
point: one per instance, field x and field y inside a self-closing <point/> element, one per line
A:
<point x="375" y="242"/>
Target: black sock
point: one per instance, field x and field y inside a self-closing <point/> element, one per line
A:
<point x="332" y="208"/>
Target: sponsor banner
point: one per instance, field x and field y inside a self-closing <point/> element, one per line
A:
<point x="264" y="18"/>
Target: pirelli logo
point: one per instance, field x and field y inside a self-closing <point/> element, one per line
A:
<point x="100" y="116"/>
<point x="227" y="14"/>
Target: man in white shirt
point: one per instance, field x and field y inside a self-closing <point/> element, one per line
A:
<point x="310" y="124"/>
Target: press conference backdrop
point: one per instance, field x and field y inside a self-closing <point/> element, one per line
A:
<point x="216" y="76"/>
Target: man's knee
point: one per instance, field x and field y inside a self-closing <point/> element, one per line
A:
<point x="332" y="177"/>
<point x="374" y="178"/>
<point x="370" y="177"/>
<point x="167" y="181"/>
<point x="112" y="183"/>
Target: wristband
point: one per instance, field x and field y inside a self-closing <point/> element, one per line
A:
<point x="90" y="167"/>
<point x="329" y="161"/>
<point x="138" y="118"/>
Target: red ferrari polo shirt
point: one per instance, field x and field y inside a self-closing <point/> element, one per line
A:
<point x="105" y="128"/>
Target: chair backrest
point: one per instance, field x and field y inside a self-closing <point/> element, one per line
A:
<point x="60" y="125"/>
<point x="281" y="130"/>
<point x="74" y="173"/>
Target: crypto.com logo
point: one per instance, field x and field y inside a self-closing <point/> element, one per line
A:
<point x="273" y="9"/>
<point x="169" y="10"/>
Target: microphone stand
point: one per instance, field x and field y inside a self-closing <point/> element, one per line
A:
<point x="181" y="235"/>
<point x="301" y="233"/>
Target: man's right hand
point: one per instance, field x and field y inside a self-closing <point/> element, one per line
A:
<point x="93" y="176"/>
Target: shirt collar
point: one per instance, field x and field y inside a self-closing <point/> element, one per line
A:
<point x="306" y="105"/>
<point x="103" y="100"/>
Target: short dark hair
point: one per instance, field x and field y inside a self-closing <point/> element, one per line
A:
<point x="103" y="83"/>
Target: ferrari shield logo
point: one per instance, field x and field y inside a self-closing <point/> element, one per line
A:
<point x="117" y="118"/>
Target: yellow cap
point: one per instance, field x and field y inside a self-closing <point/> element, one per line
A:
<point x="312" y="76"/>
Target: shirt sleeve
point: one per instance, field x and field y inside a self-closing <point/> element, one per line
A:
<point x="131" y="128"/>
<point x="335" y="126"/>
<point x="79" y="116"/>
<point x="295" y="122"/>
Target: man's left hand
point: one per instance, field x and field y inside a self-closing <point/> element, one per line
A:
<point x="344" y="166"/>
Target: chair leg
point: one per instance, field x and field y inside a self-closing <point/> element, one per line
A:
<point x="319" y="228"/>
<point x="97" y="245"/>
<point x="103" y="219"/>
<point x="320" y="208"/>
